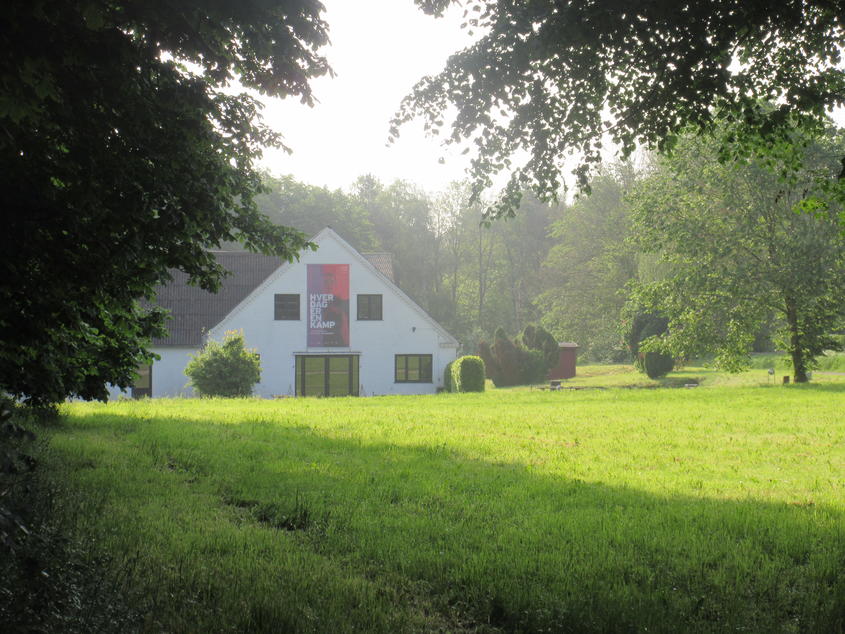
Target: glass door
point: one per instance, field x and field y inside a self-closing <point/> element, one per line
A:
<point x="313" y="376"/>
<point x="327" y="375"/>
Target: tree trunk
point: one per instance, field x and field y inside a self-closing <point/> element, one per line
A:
<point x="799" y="362"/>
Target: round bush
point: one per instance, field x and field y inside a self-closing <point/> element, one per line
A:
<point x="225" y="369"/>
<point x="468" y="374"/>
<point x="657" y="364"/>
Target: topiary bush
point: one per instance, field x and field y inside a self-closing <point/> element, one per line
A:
<point x="538" y="338"/>
<point x="657" y="364"/>
<point x="512" y="363"/>
<point x="643" y="327"/>
<point x="468" y="374"/>
<point x="533" y="367"/>
<point x="447" y="377"/>
<point x="225" y="369"/>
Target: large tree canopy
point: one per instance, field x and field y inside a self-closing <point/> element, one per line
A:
<point x="123" y="154"/>
<point x="549" y="78"/>
<point x="738" y="253"/>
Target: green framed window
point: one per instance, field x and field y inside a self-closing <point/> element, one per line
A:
<point x="413" y="368"/>
<point x="327" y="375"/>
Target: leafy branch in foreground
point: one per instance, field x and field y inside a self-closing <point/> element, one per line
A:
<point x="120" y="163"/>
<point x="547" y="81"/>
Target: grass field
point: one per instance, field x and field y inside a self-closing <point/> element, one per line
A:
<point x="720" y="508"/>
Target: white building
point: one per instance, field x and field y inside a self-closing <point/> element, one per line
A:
<point x="333" y="323"/>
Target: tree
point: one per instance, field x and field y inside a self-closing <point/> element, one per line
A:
<point x="548" y="79"/>
<point x="124" y="154"/>
<point x="226" y="368"/>
<point x="741" y="245"/>
<point x="310" y="208"/>
<point x="586" y="272"/>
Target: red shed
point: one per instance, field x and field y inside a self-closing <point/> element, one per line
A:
<point x="565" y="368"/>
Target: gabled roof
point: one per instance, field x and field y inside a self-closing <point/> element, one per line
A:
<point x="330" y="234"/>
<point x="194" y="311"/>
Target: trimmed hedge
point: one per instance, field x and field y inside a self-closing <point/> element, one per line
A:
<point x="657" y="364"/>
<point x="468" y="374"/>
<point x="447" y="377"/>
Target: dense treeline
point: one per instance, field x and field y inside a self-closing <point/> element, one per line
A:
<point x="652" y="240"/>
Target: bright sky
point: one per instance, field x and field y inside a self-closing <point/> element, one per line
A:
<point x="380" y="48"/>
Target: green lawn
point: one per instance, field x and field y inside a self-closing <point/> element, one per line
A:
<point x="719" y="508"/>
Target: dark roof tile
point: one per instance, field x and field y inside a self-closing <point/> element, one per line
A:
<point x="194" y="311"/>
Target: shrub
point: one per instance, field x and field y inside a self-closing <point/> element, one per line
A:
<point x="538" y="338"/>
<point x="645" y="326"/>
<point x="506" y="357"/>
<point x="468" y="374"/>
<point x="657" y="364"/>
<point x="509" y="363"/>
<point x="533" y="367"/>
<point x="225" y="369"/>
<point x="447" y="377"/>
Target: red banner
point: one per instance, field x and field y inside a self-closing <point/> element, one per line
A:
<point x="328" y="305"/>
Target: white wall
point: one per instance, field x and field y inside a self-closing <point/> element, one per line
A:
<point x="169" y="378"/>
<point x="403" y="330"/>
<point x="168" y="373"/>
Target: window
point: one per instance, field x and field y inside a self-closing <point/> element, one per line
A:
<point x="286" y="307"/>
<point x="327" y="375"/>
<point x="369" y="307"/>
<point x="413" y="368"/>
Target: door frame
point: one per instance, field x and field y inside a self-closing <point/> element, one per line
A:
<point x="299" y="381"/>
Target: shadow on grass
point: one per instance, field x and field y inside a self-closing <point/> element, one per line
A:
<point x="497" y="545"/>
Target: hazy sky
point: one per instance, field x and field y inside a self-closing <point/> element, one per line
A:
<point x="380" y="48"/>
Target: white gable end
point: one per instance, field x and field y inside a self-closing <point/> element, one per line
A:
<point x="405" y="335"/>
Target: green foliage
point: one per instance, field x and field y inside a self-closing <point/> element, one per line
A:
<point x="435" y="525"/>
<point x="508" y="363"/>
<point x="120" y="164"/>
<point x="225" y="369"/>
<point x="468" y="374"/>
<point x="533" y="367"/>
<point x="549" y="79"/>
<point x="656" y="364"/>
<point x="740" y="250"/>
<point x="586" y="270"/>
<point x="643" y="337"/>
<point x="447" y="377"/>
<point x="537" y="338"/>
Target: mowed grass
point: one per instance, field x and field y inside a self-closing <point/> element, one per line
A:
<point x="707" y="509"/>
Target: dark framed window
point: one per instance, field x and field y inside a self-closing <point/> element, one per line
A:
<point x="413" y="368"/>
<point x="286" y="307"/>
<point x="369" y="307"/>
